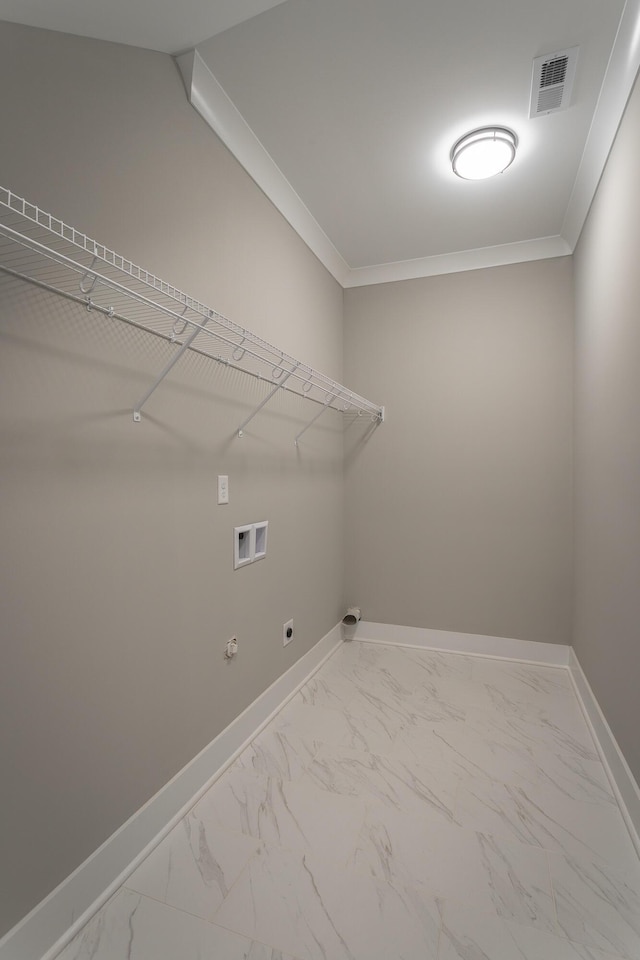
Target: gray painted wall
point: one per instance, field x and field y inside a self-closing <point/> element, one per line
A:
<point x="118" y="591"/>
<point x="458" y="511"/>
<point x="607" y="444"/>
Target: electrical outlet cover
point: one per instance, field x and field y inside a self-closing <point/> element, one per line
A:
<point x="223" y="489"/>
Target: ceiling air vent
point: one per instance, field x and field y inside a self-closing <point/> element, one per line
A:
<point x="552" y="82"/>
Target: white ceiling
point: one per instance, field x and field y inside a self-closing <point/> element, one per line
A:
<point x="344" y="112"/>
<point x="155" y="24"/>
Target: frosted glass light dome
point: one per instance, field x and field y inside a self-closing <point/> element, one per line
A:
<point x="483" y="153"/>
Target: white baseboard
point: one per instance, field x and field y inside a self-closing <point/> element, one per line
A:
<point x="623" y="783"/>
<point x="57" y="919"/>
<point x="622" y="780"/>
<point x="503" y="648"/>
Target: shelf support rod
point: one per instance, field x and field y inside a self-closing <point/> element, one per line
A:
<point x="185" y="346"/>
<point x="322" y="409"/>
<point x="271" y="393"/>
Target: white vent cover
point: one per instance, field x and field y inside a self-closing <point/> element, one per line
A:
<point x="552" y="82"/>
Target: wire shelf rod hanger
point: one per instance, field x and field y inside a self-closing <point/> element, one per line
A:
<point x="90" y="278"/>
<point x="185" y="346"/>
<point x="278" y="386"/>
<point x="174" y="330"/>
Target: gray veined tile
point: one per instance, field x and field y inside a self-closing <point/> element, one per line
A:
<point x="510" y="749"/>
<point x="357" y="723"/>
<point x="509" y="880"/>
<point x="132" y="927"/>
<point x="487" y="746"/>
<point x="470" y="934"/>
<point x="570" y="777"/>
<point x="296" y="815"/>
<point x="194" y="867"/>
<point x="562" y="706"/>
<point x="259" y="951"/>
<point x="442" y="701"/>
<point x="534" y="679"/>
<point x="398" y="782"/>
<point x="372" y="689"/>
<point x="304" y="908"/>
<point x="377" y="698"/>
<point x="512" y="682"/>
<point x="416" y="666"/>
<point x="279" y="752"/>
<point x="329" y="689"/>
<point x="308" y="726"/>
<point x="564" y="732"/>
<point x="370" y="729"/>
<point x="540" y="815"/>
<point x="467" y="753"/>
<point x="355" y="661"/>
<point x="401" y="685"/>
<point x="598" y="904"/>
<point x="399" y="676"/>
<point x="357" y="656"/>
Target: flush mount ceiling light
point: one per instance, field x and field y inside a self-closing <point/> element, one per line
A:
<point x="483" y="153"/>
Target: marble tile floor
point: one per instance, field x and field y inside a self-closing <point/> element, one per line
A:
<point x="404" y="805"/>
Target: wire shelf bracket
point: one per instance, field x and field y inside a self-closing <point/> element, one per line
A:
<point x="42" y="250"/>
<point x="272" y="393"/>
<point x="322" y="409"/>
<point x="137" y="412"/>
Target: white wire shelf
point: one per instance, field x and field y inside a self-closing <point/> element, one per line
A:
<point x="42" y="250"/>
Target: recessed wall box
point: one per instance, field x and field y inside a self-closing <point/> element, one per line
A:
<point x="260" y="539"/>
<point x="243" y="549"/>
<point x="249" y="543"/>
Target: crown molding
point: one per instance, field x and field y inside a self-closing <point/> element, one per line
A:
<point x="213" y="104"/>
<point x="617" y="85"/>
<point x="215" y="107"/>
<point x="541" y="249"/>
